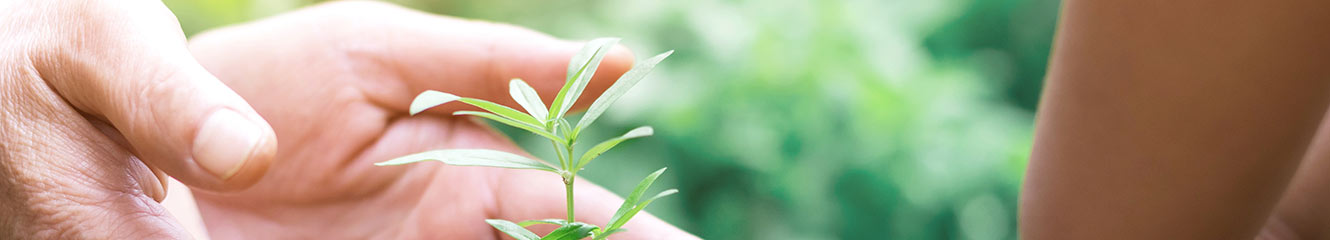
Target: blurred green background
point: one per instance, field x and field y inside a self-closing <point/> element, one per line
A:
<point x="800" y="119"/>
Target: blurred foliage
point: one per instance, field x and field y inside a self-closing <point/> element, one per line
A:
<point x="801" y="119"/>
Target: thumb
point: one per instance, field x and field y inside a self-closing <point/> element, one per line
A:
<point x="174" y="115"/>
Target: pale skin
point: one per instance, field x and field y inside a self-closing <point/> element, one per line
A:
<point x="1183" y="120"/>
<point x="102" y="100"/>
<point x="336" y="81"/>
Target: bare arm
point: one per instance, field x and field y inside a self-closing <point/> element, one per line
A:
<point x="1304" y="211"/>
<point x="1176" y="119"/>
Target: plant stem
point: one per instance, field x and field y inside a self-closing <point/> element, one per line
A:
<point x="558" y="154"/>
<point x="568" y="187"/>
<point x="569" y="179"/>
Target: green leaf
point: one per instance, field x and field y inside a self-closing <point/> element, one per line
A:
<point x="429" y="99"/>
<point x="662" y="194"/>
<point x="580" y="69"/>
<point x="607" y="233"/>
<point x="638" y="208"/>
<point x="643" y="204"/>
<point x="523" y="125"/>
<point x="512" y="229"/>
<point x="502" y="110"/>
<point x="600" y="148"/>
<point x="622" y="215"/>
<point x="585" y="56"/>
<point x="473" y="157"/>
<point x="566" y="128"/>
<point x="571" y="231"/>
<point x="627" y="81"/>
<point x="552" y="221"/>
<point x="527" y="97"/>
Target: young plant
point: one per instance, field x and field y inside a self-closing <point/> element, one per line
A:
<point x="563" y="135"/>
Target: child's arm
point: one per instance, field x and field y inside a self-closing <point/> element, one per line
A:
<point x="1181" y="119"/>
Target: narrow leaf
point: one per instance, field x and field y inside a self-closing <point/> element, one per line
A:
<point x="643" y="205"/>
<point x="473" y="157"/>
<point x="512" y="229"/>
<point x="566" y="128"/>
<point x="502" y="110"/>
<point x="580" y="70"/>
<point x="600" y="148"/>
<point x="607" y="233"/>
<point x="627" y="81"/>
<point x="585" y="55"/>
<point x="552" y="221"/>
<point x="662" y="194"/>
<point x="429" y="99"/>
<point x="523" y="125"/>
<point x="571" y="231"/>
<point x="629" y="203"/>
<point x="527" y="97"/>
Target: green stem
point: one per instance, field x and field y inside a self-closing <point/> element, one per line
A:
<point x="571" y="159"/>
<point x="555" y="146"/>
<point x="568" y="187"/>
<point x="569" y="179"/>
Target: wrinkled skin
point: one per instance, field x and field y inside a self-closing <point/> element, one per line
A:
<point x="335" y="80"/>
<point x="99" y="102"/>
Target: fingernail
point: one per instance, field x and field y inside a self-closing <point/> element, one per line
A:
<point x="225" y="142"/>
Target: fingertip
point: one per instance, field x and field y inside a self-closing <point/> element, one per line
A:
<point x="234" y="148"/>
<point x="618" y="61"/>
<point x="255" y="166"/>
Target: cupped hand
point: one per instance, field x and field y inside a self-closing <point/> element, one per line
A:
<point x="100" y="99"/>
<point x="336" y="80"/>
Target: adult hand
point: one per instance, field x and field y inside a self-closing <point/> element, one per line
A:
<point x="336" y="79"/>
<point x="99" y="99"/>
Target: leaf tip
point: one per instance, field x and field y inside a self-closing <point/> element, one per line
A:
<point x="666" y="54"/>
<point x="669" y="191"/>
<point x="515" y="82"/>
<point x="391" y="162"/>
<point x="429" y="99"/>
<point x="641" y="131"/>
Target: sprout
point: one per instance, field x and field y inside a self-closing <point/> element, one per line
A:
<point x="552" y="125"/>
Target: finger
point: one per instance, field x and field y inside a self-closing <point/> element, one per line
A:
<point x="529" y="195"/>
<point x="153" y="181"/>
<point x="176" y="116"/>
<point x="463" y="57"/>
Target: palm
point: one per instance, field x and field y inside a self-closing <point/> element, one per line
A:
<point x="338" y="106"/>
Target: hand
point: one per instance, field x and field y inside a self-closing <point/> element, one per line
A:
<point x="99" y="99"/>
<point x="336" y="80"/>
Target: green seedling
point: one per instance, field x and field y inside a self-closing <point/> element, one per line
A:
<point x="553" y="125"/>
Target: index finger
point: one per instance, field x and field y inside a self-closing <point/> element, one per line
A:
<point x="464" y="57"/>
